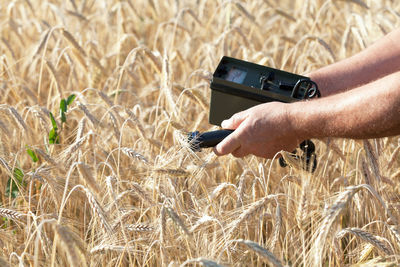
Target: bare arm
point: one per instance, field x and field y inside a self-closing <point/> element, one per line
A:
<point x="376" y="61"/>
<point x="369" y="111"/>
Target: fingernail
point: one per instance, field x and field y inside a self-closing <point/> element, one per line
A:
<point x="225" y="123"/>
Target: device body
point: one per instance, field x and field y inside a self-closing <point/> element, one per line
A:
<point x="238" y="85"/>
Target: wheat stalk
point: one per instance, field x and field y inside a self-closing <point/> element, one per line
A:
<point x="395" y="175"/>
<point x="142" y="71"/>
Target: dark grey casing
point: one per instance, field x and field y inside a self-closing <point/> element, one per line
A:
<point x="255" y="84"/>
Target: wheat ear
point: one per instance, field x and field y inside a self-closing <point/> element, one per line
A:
<point x="393" y="157"/>
<point x="89" y="115"/>
<point x="277" y="226"/>
<point x="371" y="155"/>
<point x="264" y="253"/>
<point x="97" y="209"/>
<point x="202" y="261"/>
<point x="140" y="228"/>
<point x="201" y="222"/>
<point x="142" y="193"/>
<point x="177" y="220"/>
<point x="18" y="118"/>
<point x="133" y="154"/>
<point x="74" y="254"/>
<point x="364" y="235"/>
<point x="172" y="172"/>
<point x="254" y="208"/>
<point x="220" y="189"/>
<point x="88" y="176"/>
<point x="110" y="247"/>
<point x="332" y="213"/>
<point x="11" y="214"/>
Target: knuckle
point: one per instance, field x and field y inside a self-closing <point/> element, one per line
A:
<point x="235" y="118"/>
<point x="240" y="153"/>
<point x="236" y="154"/>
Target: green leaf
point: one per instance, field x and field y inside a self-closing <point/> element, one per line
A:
<point x="70" y="99"/>
<point x="12" y="187"/>
<point x="32" y="154"/>
<point x="53" y="137"/>
<point x="63" y="118"/>
<point x="6" y="222"/>
<point x="18" y="175"/>
<point x="63" y="105"/>
<point x="63" y="109"/>
<point x="53" y="122"/>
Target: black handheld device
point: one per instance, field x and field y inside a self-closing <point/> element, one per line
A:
<point x="237" y="85"/>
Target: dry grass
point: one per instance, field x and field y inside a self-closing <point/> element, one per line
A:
<point x="122" y="188"/>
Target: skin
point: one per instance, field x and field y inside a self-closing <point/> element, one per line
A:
<point x="361" y="99"/>
<point x="378" y="60"/>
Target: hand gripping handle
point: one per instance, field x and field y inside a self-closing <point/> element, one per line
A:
<point x="199" y="140"/>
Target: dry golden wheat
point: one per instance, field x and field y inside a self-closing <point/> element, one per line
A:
<point x="141" y="73"/>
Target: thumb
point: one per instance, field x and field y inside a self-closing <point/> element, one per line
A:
<point x="234" y="121"/>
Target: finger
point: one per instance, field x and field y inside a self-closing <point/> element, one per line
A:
<point x="228" y="145"/>
<point x="234" y="121"/>
<point x="239" y="152"/>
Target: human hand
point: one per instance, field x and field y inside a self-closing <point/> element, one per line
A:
<point x="262" y="130"/>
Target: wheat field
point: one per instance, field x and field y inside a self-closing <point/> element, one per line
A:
<point x="95" y="101"/>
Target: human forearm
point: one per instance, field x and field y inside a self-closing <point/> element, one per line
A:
<point x="379" y="59"/>
<point x="370" y="111"/>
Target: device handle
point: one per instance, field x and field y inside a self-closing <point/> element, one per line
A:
<point x="207" y="139"/>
